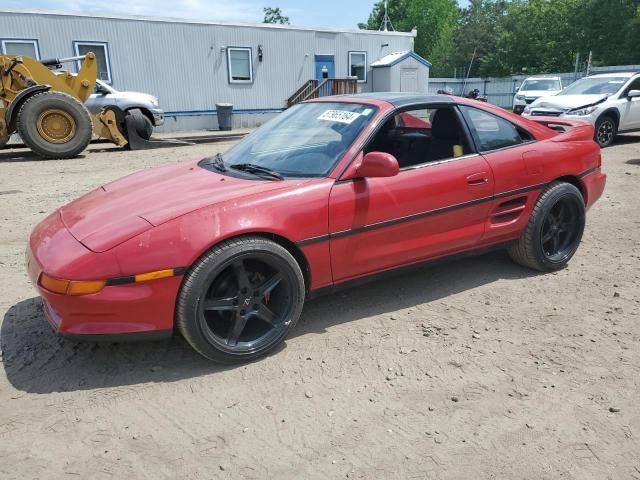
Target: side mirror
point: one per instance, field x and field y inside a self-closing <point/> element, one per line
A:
<point x="377" y="164"/>
<point x="633" y="93"/>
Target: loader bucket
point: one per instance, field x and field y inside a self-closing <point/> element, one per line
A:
<point x="125" y="129"/>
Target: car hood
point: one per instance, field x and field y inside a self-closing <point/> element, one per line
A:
<point x="568" y="102"/>
<point x="129" y="97"/>
<point x="132" y="96"/>
<point x="118" y="211"/>
<point x="537" y="93"/>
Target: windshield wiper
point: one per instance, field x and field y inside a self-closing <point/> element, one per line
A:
<point x="258" y="170"/>
<point x="217" y="162"/>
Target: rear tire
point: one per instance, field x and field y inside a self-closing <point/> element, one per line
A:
<point x="240" y="300"/>
<point x="54" y="125"/>
<point x="605" y="131"/>
<point x="554" y="231"/>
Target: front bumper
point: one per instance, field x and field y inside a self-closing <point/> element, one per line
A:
<point x="158" y="116"/>
<point x="519" y="104"/>
<point x="120" y="310"/>
<point x="559" y="113"/>
<point x="587" y="118"/>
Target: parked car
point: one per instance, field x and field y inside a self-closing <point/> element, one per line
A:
<point x="105" y="95"/>
<point x="533" y="88"/>
<point x="609" y="101"/>
<point x="227" y="248"/>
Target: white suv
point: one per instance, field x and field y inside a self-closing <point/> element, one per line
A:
<point x="611" y="102"/>
<point x="533" y="88"/>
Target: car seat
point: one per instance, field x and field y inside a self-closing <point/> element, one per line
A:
<point x="445" y="135"/>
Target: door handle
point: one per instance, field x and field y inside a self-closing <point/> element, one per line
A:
<point x="478" y="179"/>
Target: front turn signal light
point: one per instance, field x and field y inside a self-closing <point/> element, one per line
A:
<point x="55" y="285"/>
<point x="70" y="287"/>
<point x="85" y="287"/>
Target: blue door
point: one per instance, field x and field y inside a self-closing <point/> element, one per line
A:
<point x="325" y="67"/>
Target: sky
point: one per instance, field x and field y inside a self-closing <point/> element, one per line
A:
<point x="324" y="13"/>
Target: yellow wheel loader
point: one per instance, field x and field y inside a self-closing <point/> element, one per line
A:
<point x="47" y="109"/>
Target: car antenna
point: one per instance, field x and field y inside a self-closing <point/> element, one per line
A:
<point x="464" y="85"/>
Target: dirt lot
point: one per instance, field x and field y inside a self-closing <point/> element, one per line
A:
<point x="472" y="369"/>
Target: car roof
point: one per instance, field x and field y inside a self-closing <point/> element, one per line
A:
<point x="400" y="100"/>
<point x="397" y="99"/>
<point x="614" y="74"/>
<point x="543" y="77"/>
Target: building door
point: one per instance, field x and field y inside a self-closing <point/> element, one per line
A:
<point x="325" y="67"/>
<point x="409" y="80"/>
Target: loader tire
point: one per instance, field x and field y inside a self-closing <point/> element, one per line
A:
<point x="54" y="125"/>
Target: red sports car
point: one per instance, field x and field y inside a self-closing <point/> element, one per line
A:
<point x="227" y="248"/>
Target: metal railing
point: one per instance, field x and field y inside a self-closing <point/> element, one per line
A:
<point x="329" y="86"/>
<point x="302" y="92"/>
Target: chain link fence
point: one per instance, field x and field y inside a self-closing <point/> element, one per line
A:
<point x="500" y="90"/>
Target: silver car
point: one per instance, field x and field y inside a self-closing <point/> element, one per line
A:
<point x="105" y="96"/>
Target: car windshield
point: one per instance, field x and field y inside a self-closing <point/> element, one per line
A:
<point x="595" y="86"/>
<point x="306" y="140"/>
<point x="541" y="84"/>
<point x="102" y="87"/>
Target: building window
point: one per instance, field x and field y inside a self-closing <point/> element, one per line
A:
<point x="358" y="66"/>
<point x="102" y="57"/>
<point x="28" y="48"/>
<point x="240" y="65"/>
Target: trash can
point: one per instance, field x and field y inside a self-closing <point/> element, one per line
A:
<point x="225" y="115"/>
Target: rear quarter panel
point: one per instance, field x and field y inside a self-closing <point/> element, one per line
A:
<point x="526" y="170"/>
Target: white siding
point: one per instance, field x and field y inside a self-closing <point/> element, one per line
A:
<point x="388" y="78"/>
<point x="184" y="64"/>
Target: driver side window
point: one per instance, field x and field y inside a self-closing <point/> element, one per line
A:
<point x="420" y="136"/>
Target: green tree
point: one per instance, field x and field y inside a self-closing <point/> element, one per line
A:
<point x="477" y="33"/>
<point x="398" y="11"/>
<point x="609" y="28"/>
<point x="517" y="36"/>
<point x="274" y="15"/>
<point x="535" y="36"/>
<point x="436" y="21"/>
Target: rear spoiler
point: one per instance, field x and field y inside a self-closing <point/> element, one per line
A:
<point x="570" y="129"/>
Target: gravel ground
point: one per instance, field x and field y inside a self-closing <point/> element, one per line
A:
<point x="471" y="369"/>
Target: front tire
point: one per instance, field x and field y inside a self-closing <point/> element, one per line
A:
<point x="554" y="231"/>
<point x="605" y="131"/>
<point x="240" y="300"/>
<point x="54" y="125"/>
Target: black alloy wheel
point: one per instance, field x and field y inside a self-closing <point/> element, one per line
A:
<point x="554" y="230"/>
<point x="240" y="299"/>
<point x="605" y="131"/>
<point x="247" y="305"/>
<point x="561" y="229"/>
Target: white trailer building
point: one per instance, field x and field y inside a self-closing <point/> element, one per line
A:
<point x="192" y="65"/>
